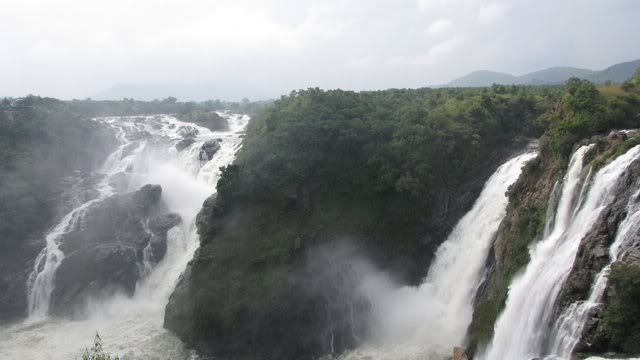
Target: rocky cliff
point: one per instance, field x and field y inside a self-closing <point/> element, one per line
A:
<point x="272" y="278"/>
<point x="533" y="200"/>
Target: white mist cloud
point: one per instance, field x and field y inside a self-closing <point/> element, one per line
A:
<point x="439" y="27"/>
<point x="491" y="12"/>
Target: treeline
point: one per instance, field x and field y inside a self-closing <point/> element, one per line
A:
<point x="410" y="142"/>
<point x="586" y="110"/>
<point x="126" y="106"/>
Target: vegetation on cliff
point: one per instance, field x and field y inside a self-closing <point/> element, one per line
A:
<point x="585" y="113"/>
<point x="620" y="324"/>
<point x="390" y="170"/>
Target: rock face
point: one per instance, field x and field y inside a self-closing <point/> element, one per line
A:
<point x="188" y="132"/>
<point x="105" y="248"/>
<point x="208" y="119"/>
<point x="533" y="200"/>
<point x="44" y="172"/>
<point x="524" y="223"/>
<point x="209" y="149"/>
<point x="316" y="310"/>
<point x="617" y="137"/>
<point x="184" y="143"/>
<point x="261" y="285"/>
<point x="593" y="253"/>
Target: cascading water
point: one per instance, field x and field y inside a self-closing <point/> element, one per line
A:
<point x="427" y="321"/>
<point x="40" y="282"/>
<point x="570" y="325"/>
<point x="523" y="328"/>
<point x="130" y="326"/>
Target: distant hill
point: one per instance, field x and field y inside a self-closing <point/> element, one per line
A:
<point x="555" y="75"/>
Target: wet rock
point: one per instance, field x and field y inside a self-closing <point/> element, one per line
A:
<point x="593" y="252"/>
<point x="119" y="182"/>
<point x="188" y="132"/>
<point x="209" y="149"/>
<point x="105" y="246"/>
<point x="159" y="226"/>
<point x="128" y="149"/>
<point x="184" y="143"/>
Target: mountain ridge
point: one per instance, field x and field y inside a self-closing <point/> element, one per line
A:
<point x="549" y="76"/>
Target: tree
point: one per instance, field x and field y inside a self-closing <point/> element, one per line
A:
<point x="96" y="352"/>
<point x="169" y="100"/>
<point x="633" y="83"/>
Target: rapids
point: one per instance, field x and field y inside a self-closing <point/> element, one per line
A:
<point x="129" y="326"/>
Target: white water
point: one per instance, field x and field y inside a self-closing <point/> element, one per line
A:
<point x="429" y="320"/>
<point x="570" y="325"/>
<point x="129" y="326"/>
<point x="523" y="327"/>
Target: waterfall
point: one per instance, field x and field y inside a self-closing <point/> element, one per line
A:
<point x="523" y="328"/>
<point x="570" y="325"/>
<point x="129" y="326"/>
<point x="414" y="322"/>
<point x="40" y="281"/>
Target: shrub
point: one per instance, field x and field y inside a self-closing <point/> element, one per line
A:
<point x="96" y="352"/>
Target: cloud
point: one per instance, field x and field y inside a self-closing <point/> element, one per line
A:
<point x="491" y="12"/>
<point x="439" y="27"/>
<point x="78" y="48"/>
<point x="434" y="55"/>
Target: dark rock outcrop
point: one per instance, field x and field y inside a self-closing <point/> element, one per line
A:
<point x="184" y="143"/>
<point x="44" y="172"/>
<point x="258" y="278"/>
<point x="208" y="149"/>
<point x="318" y="301"/>
<point x="188" y="132"/>
<point x="208" y="119"/>
<point x="105" y="247"/>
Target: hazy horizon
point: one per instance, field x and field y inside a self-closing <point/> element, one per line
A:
<point x="262" y="49"/>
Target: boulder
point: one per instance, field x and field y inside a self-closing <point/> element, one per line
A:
<point x="184" y="143"/>
<point x="188" y="132"/>
<point x="209" y="149"/>
<point x="617" y="137"/>
<point x="107" y="243"/>
<point x="159" y="226"/>
<point x="458" y="353"/>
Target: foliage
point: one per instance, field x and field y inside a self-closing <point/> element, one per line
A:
<point x="96" y="352"/>
<point x="169" y="105"/>
<point x="389" y="170"/>
<point x="621" y="319"/>
<point x="615" y="151"/>
<point x="632" y="84"/>
<point x="585" y="111"/>
<point x="413" y="143"/>
<point x="42" y="140"/>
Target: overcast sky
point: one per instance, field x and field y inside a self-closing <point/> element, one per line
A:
<point x="78" y="48"/>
